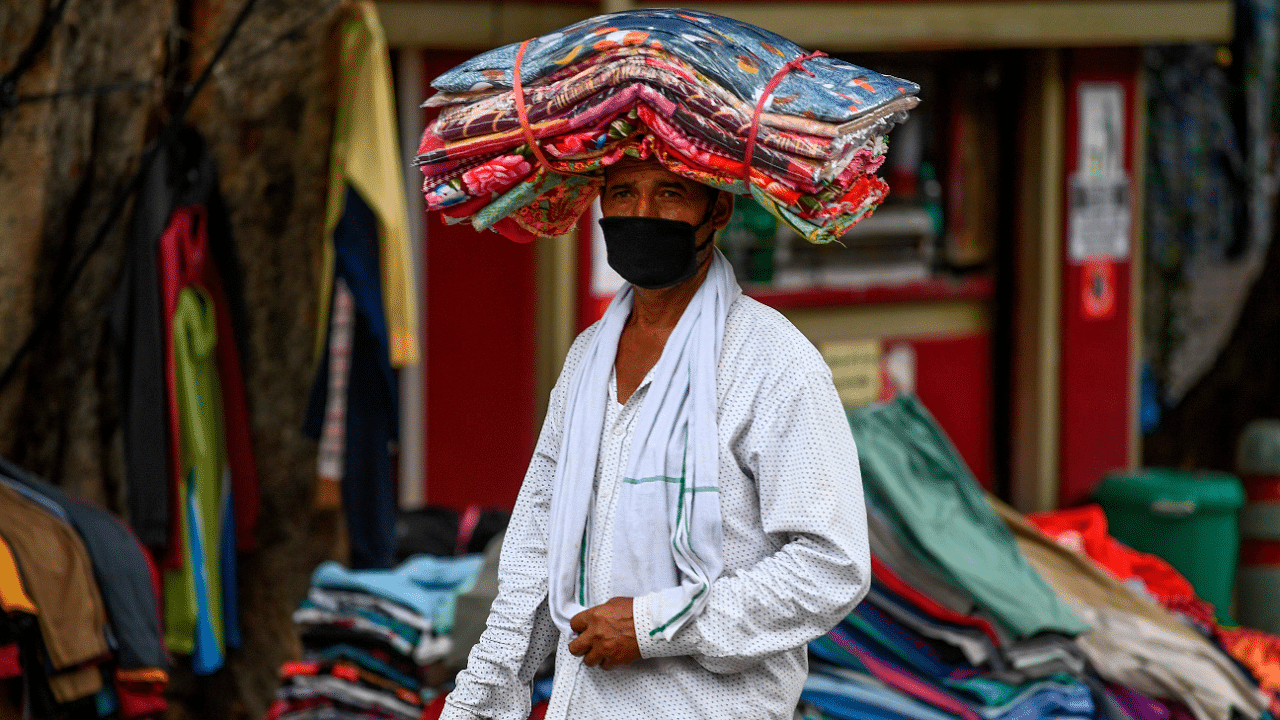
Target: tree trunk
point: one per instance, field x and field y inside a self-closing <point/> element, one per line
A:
<point x="267" y="114"/>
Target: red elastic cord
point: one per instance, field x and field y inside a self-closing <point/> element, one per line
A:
<point x="467" y="528"/>
<point x="764" y="97"/>
<point x="518" y="91"/>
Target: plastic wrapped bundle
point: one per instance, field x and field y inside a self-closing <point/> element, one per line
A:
<point x="524" y="131"/>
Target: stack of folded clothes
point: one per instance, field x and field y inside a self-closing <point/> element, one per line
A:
<point x="369" y="635"/>
<point x="976" y="613"/>
<point x="524" y="130"/>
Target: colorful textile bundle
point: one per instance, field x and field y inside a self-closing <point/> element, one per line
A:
<point x="368" y="636"/>
<point x="525" y="130"/>
<point x="1084" y="530"/>
<point x="974" y="613"/>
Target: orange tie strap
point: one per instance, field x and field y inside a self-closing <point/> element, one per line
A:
<point x="523" y="112"/>
<point x="764" y="96"/>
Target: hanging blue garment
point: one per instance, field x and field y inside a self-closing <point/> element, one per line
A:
<point x="230" y="583"/>
<point x="207" y="656"/>
<point x="369" y="499"/>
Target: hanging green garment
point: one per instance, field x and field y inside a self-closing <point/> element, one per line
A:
<point x="915" y="478"/>
<point x="193" y="594"/>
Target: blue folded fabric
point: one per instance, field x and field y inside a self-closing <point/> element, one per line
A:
<point x="976" y="647"/>
<point x="739" y="57"/>
<point x="845" y="698"/>
<point x="542" y="689"/>
<point x="826" y="649"/>
<point x="422" y="583"/>
<point x="380" y="619"/>
<point x="1050" y="700"/>
<point x="873" y="626"/>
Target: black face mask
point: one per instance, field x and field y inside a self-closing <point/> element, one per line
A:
<point x="653" y="253"/>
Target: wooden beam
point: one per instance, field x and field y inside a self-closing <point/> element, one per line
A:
<point x="461" y="25"/>
<point x="841" y="27"/>
<point x="845" y="26"/>
<point x="1037" y="334"/>
<point x="909" y="319"/>
<point x="412" y="378"/>
<point x="557" y="313"/>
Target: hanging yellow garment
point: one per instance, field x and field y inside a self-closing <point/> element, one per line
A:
<point x="366" y="157"/>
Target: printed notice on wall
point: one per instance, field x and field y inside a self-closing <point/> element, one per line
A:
<point x="1100" y="206"/>
<point x="1100" y="218"/>
<point x="855" y="369"/>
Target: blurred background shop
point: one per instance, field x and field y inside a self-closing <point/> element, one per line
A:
<point x="1063" y="165"/>
<point x="1074" y="273"/>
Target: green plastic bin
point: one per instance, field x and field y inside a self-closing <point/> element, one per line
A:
<point x="1188" y="518"/>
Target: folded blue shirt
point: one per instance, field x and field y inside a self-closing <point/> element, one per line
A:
<point x="422" y="583"/>
<point x="845" y="698"/>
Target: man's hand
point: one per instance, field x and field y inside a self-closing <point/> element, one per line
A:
<point x="606" y="635"/>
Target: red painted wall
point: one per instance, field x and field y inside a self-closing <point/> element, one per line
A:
<point x="1097" y="369"/>
<point x="953" y="380"/>
<point x="480" y="315"/>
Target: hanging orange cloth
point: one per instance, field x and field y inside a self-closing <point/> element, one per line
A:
<point x="13" y="596"/>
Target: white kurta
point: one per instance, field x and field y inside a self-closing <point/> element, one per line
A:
<point x="795" y="550"/>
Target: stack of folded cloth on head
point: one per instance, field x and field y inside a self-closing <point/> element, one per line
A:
<point x="368" y="637"/>
<point x="525" y="130"/>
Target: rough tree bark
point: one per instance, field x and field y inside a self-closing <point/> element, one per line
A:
<point x="267" y="115"/>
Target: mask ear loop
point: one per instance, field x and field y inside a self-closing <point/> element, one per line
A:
<point x="764" y="97"/>
<point x="706" y="218"/>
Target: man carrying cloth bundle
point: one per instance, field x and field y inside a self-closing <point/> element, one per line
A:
<point x="693" y="513"/>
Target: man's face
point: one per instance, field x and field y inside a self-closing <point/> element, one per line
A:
<point x="647" y="189"/>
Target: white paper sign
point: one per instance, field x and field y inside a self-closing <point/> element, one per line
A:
<point x="1100" y="217"/>
<point x="1100" y="204"/>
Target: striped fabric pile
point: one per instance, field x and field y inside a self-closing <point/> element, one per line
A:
<point x="524" y="131"/>
<point x="369" y="638"/>
<point x="974" y="613"/>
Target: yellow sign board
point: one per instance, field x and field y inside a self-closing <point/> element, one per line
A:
<point x="855" y="368"/>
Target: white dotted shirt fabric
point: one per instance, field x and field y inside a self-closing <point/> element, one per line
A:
<point x="796" y="557"/>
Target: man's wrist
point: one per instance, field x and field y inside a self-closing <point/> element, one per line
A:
<point x="453" y="712"/>
<point x="652" y="644"/>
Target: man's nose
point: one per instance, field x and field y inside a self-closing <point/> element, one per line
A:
<point x="646" y="206"/>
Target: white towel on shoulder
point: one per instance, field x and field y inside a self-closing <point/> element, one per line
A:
<point x="667" y="536"/>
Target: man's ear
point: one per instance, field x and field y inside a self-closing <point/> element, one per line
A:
<point x="722" y="210"/>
